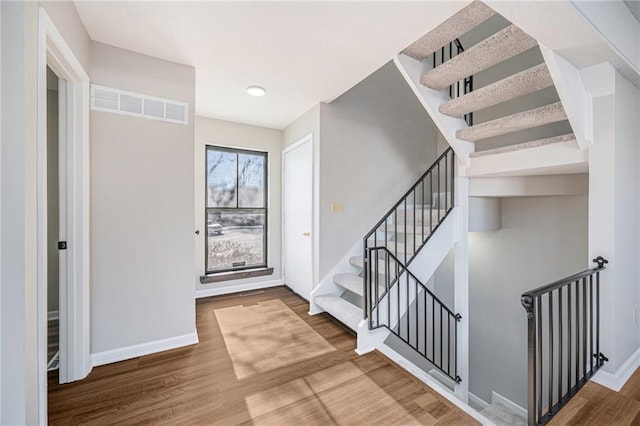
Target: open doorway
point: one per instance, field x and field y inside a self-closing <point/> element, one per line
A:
<point x="72" y="163"/>
<point x="53" y="223"/>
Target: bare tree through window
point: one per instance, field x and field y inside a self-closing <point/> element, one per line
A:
<point x="236" y="209"/>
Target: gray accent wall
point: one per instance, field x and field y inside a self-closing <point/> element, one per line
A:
<point x="542" y="239"/>
<point x="142" y="207"/>
<point x="375" y="141"/>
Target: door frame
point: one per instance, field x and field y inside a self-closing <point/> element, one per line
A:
<point x="74" y="322"/>
<point x="315" y="211"/>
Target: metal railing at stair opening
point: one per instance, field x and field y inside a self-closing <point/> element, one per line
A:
<point x="405" y="306"/>
<point x="461" y="87"/>
<point x="563" y="341"/>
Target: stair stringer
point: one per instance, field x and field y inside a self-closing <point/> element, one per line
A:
<point x="431" y="100"/>
<point x="574" y="97"/>
<point x="326" y="286"/>
<point x="423" y="266"/>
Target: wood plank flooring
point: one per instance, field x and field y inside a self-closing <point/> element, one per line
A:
<point x="597" y="405"/>
<point x="204" y="384"/>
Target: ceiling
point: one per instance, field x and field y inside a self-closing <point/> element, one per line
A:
<point x="303" y="53"/>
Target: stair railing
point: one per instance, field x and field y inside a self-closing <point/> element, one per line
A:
<point x="405" y="306"/>
<point x="563" y="341"/>
<point x="409" y="224"/>
<point x="446" y="53"/>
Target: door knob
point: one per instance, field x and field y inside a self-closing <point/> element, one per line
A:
<point x="306" y="234"/>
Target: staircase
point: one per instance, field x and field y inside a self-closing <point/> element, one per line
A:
<point x="377" y="293"/>
<point x="430" y="72"/>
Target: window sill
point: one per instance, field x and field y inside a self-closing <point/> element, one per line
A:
<point x="235" y="275"/>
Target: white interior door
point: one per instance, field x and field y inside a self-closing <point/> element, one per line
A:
<point x="298" y="217"/>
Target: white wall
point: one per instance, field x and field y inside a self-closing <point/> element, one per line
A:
<point x="613" y="204"/>
<point x="375" y="141"/>
<point x="142" y="201"/>
<point x="64" y="14"/>
<point x="309" y="122"/>
<point x="210" y="131"/>
<point x="542" y="239"/>
<point x="627" y="192"/>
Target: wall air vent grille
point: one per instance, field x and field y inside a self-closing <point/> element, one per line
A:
<point x="131" y="104"/>
<point x="137" y="105"/>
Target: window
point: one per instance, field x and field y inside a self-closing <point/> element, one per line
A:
<point x="236" y="209"/>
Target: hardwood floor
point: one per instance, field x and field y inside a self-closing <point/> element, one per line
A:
<point x="273" y="383"/>
<point x="597" y="405"/>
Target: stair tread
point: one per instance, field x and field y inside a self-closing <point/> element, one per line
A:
<point x="501" y="46"/>
<point x="462" y="22"/>
<point x="353" y="283"/>
<point x="347" y="313"/>
<point x="515" y="122"/>
<point x="526" y="145"/>
<point x="516" y="85"/>
<point x="357" y="261"/>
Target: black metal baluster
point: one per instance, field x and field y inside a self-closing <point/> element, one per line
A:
<point x="406" y="249"/>
<point x="455" y="346"/>
<point x="598" y="318"/>
<point x="415" y="301"/>
<point x="448" y="344"/>
<point x="424" y="313"/>
<point x="415" y="233"/>
<point x="453" y="176"/>
<point x="431" y="203"/>
<point x="550" y="379"/>
<point x="395" y="235"/>
<point x="388" y="291"/>
<point x="386" y="233"/>
<point x="591" y="322"/>
<point x="446" y="186"/>
<point x="439" y="206"/>
<point x="569" y="341"/>
<point x="422" y="214"/>
<point x="577" y="332"/>
<point x="376" y="284"/>
<point x="433" y="328"/>
<point x="398" y="285"/>
<point x="408" y="315"/>
<point x="539" y="355"/>
<point x="441" y="342"/>
<point x="560" y="343"/>
<point x="584" y="327"/>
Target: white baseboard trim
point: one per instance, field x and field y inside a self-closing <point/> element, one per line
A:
<point x="478" y="401"/>
<point x="236" y="288"/>
<point x="515" y="408"/>
<point x="424" y="377"/>
<point x="53" y="315"/>
<point x="616" y="381"/>
<point x="134" y="351"/>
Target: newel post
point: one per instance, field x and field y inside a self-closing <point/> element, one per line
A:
<point x="529" y="305"/>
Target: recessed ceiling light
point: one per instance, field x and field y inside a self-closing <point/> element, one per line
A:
<point x="256" y="90"/>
